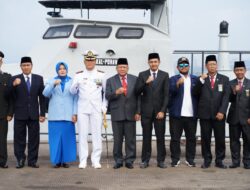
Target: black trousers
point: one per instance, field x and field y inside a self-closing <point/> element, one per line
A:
<point x="177" y="125"/>
<point x="160" y="128"/>
<point x="20" y="131"/>
<point x="235" y="132"/>
<point x="3" y="141"/>
<point x="125" y="129"/>
<point x="207" y="126"/>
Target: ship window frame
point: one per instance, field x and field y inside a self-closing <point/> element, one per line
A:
<point x="129" y="37"/>
<point x="93" y="37"/>
<point x="58" y="37"/>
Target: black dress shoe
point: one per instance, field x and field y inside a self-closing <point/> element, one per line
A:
<point x="117" y="165"/>
<point x="161" y="165"/>
<point x="65" y="165"/>
<point x="234" y="165"/>
<point x="205" y="165"/>
<point x="144" y="165"/>
<point x="4" y="166"/>
<point x="57" y="165"/>
<point x="220" y="165"/>
<point x="33" y="165"/>
<point x="247" y="166"/>
<point x="20" y="164"/>
<point x="129" y="165"/>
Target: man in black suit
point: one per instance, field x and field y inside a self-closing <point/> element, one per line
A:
<point x="239" y="116"/>
<point x="26" y="89"/>
<point x="124" y="108"/>
<point x="152" y="85"/>
<point x="6" y="113"/>
<point x="213" y="90"/>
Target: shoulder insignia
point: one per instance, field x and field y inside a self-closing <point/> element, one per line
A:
<point x="100" y="71"/>
<point x="79" y="72"/>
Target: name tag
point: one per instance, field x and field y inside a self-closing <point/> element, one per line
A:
<point x="247" y="93"/>
<point x="220" y="87"/>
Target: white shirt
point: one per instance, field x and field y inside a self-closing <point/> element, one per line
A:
<point x="187" y="106"/>
<point x="25" y="77"/>
<point x="203" y="81"/>
<point x="156" y="73"/>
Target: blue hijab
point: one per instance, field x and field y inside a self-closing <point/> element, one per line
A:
<point x="65" y="78"/>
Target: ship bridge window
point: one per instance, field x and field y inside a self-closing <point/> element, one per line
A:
<point x="83" y="31"/>
<point x="129" y="33"/>
<point x="58" y="32"/>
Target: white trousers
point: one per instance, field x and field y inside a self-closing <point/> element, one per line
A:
<point x="93" y="122"/>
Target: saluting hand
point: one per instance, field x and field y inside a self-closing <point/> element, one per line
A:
<point x="16" y="82"/>
<point x="237" y="88"/>
<point x="180" y="82"/>
<point x="58" y="81"/>
<point x="120" y="91"/>
<point x="204" y="76"/>
<point x="150" y="79"/>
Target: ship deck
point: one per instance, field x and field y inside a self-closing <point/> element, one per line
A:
<point x="152" y="178"/>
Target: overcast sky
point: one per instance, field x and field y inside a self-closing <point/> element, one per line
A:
<point x="194" y="24"/>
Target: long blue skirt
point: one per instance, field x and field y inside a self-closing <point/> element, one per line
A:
<point x="62" y="141"/>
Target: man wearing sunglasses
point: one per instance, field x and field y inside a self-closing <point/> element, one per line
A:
<point x="183" y="113"/>
<point x="213" y="90"/>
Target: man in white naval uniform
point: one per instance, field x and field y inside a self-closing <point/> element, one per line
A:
<point x="90" y="85"/>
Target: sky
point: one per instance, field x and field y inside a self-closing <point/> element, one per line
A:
<point x="194" y="24"/>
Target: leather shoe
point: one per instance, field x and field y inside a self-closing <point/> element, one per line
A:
<point x="20" y="164"/>
<point x="247" y="166"/>
<point x="234" y="165"/>
<point x="57" y="165"/>
<point x="129" y="165"/>
<point x="220" y="165"/>
<point x="65" y="165"/>
<point x="118" y="165"/>
<point x="144" y="165"/>
<point x="4" y="166"/>
<point x="33" y="165"/>
<point x="162" y="165"/>
<point x="205" y="165"/>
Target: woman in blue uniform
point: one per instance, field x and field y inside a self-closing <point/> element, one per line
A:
<point x="62" y="117"/>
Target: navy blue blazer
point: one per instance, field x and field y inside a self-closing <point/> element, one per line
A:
<point x="176" y="96"/>
<point x="26" y="105"/>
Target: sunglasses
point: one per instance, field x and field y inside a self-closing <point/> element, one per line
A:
<point x="182" y="65"/>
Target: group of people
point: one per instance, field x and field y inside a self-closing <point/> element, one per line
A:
<point x="85" y="99"/>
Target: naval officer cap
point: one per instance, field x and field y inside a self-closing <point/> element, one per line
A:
<point x="90" y="55"/>
<point x="26" y="60"/>
<point x="239" y="64"/>
<point x="182" y="60"/>
<point x="1" y="54"/>
<point x="210" y="58"/>
<point x="122" y="61"/>
<point x="153" y="56"/>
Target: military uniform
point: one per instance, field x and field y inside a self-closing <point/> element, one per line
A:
<point x="90" y="86"/>
<point x="6" y="110"/>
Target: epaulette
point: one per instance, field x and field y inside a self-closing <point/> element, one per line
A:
<point x="100" y="71"/>
<point x="79" y="72"/>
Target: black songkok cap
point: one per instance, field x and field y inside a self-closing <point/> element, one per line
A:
<point x="153" y="56"/>
<point x="26" y="60"/>
<point x="1" y="54"/>
<point x="210" y="58"/>
<point x="122" y="61"/>
<point x="239" y="64"/>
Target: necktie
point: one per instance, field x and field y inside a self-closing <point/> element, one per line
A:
<point x="124" y="85"/>
<point x="212" y="82"/>
<point x="28" y="83"/>
<point x="240" y="84"/>
<point x="154" y="75"/>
